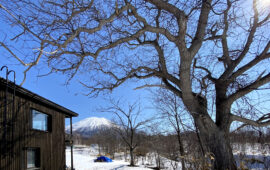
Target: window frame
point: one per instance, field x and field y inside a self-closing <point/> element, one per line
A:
<point x="49" y="121"/>
<point x="37" y="158"/>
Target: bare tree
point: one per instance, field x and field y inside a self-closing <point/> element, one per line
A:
<point x="171" y="109"/>
<point x="128" y="124"/>
<point x="207" y="52"/>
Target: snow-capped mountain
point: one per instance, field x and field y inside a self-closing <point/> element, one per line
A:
<point x="90" y="126"/>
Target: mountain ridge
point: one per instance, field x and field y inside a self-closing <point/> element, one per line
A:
<point x="90" y="126"/>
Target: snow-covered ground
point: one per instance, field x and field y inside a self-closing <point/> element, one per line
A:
<point x="256" y="157"/>
<point x="252" y="156"/>
<point x="83" y="159"/>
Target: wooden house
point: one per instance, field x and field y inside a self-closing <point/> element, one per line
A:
<point x="32" y="130"/>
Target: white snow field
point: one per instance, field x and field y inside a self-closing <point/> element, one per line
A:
<point x="255" y="157"/>
<point x="83" y="159"/>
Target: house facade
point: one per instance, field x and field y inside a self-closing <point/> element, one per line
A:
<point x="32" y="130"/>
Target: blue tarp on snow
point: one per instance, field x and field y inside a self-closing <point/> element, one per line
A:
<point x="103" y="159"/>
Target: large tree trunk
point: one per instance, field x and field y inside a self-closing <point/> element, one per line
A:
<point x="217" y="143"/>
<point x="131" y="157"/>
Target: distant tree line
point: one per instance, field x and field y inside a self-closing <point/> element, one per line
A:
<point x="162" y="145"/>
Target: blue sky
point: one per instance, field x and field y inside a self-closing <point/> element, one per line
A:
<point x="71" y="96"/>
<point x="53" y="86"/>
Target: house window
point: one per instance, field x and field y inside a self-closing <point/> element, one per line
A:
<point x="33" y="158"/>
<point x="41" y="121"/>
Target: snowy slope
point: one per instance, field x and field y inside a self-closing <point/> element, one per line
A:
<point x="90" y="126"/>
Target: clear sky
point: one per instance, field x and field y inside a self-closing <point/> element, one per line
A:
<point x="71" y="96"/>
<point x="53" y="86"/>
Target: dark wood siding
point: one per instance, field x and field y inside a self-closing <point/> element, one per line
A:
<point x="51" y="144"/>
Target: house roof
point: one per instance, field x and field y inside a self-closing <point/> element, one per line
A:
<point x="34" y="97"/>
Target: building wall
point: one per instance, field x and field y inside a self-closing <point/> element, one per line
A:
<point x="51" y="144"/>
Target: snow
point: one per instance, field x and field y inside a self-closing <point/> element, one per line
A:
<point x="89" y="125"/>
<point x="254" y="156"/>
<point x="251" y="156"/>
<point x="83" y="159"/>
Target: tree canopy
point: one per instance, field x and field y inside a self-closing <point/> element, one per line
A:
<point x="208" y="52"/>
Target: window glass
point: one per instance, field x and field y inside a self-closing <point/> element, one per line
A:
<point x="39" y="120"/>
<point x="30" y="158"/>
<point x="33" y="158"/>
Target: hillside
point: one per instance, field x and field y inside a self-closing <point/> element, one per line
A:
<point x="90" y="126"/>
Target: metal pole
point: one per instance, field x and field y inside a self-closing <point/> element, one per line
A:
<point x="71" y="147"/>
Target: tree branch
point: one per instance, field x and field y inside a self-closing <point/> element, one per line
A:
<point x="243" y="91"/>
<point x="259" y="58"/>
<point x="200" y="32"/>
<point x="248" y="43"/>
<point x="261" y="122"/>
<point x="226" y="56"/>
